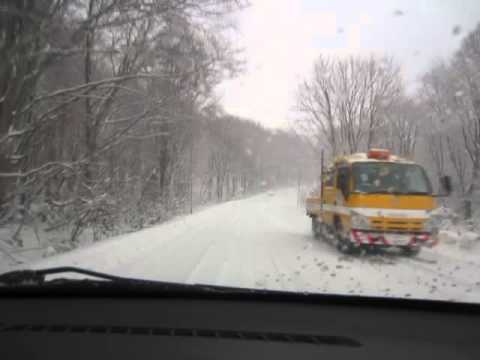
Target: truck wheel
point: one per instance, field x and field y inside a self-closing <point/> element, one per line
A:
<point x="346" y="247"/>
<point x="343" y="245"/>
<point x="411" y="251"/>
<point x="316" y="228"/>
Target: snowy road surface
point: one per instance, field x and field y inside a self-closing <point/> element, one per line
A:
<point x="265" y="242"/>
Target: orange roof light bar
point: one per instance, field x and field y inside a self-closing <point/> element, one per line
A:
<point x="379" y="154"/>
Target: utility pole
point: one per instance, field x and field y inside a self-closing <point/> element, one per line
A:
<point x="321" y="179"/>
<point x="191" y="166"/>
<point x="299" y="185"/>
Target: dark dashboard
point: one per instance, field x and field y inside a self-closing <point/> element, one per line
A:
<point x="100" y="325"/>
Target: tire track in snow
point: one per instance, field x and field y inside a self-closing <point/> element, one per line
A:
<point x="229" y="270"/>
<point x="284" y="276"/>
<point x="196" y="271"/>
<point x="175" y="257"/>
<point x="204" y="264"/>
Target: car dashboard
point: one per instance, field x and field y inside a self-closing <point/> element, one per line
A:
<point x="270" y="325"/>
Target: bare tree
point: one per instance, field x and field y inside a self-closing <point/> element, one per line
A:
<point x="401" y="127"/>
<point x="317" y="106"/>
<point x="451" y="93"/>
<point x="344" y="101"/>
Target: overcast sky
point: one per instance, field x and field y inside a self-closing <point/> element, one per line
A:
<point x="281" y="39"/>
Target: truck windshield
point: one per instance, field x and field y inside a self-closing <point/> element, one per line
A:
<point x="391" y="178"/>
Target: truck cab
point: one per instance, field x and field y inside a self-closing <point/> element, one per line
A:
<point x="374" y="200"/>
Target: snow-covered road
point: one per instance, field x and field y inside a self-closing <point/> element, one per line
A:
<point x="265" y="242"/>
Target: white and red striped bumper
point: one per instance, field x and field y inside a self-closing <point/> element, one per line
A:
<point x="382" y="239"/>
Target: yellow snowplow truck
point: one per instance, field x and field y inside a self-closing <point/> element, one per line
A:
<point x="369" y="201"/>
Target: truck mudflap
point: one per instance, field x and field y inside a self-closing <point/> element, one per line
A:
<point x="372" y="238"/>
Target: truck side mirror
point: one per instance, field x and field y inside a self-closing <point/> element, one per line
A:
<point x="343" y="186"/>
<point x="446" y="184"/>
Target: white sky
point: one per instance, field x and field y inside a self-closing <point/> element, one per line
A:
<point x="282" y="38"/>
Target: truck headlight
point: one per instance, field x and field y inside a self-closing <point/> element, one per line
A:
<point x="360" y="221"/>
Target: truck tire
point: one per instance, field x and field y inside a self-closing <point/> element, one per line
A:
<point x="343" y="245"/>
<point x="411" y="251"/>
<point x="316" y="228"/>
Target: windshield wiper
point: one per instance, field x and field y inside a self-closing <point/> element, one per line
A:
<point x="38" y="277"/>
<point x="416" y="193"/>
<point x="98" y="281"/>
<point x="380" y="192"/>
<point x="394" y="192"/>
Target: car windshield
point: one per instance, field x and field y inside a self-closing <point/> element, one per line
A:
<point x="390" y="178"/>
<point x="326" y="147"/>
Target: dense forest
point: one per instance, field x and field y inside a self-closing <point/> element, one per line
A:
<point x="109" y="121"/>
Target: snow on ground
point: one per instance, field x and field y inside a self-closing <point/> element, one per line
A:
<point x="265" y="242"/>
